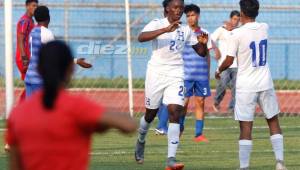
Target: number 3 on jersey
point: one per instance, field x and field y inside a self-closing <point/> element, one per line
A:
<point x="263" y="46"/>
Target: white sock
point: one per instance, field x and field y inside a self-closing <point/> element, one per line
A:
<point x="144" y="126"/>
<point x="244" y="153"/>
<point x="277" y="144"/>
<point x="173" y="139"/>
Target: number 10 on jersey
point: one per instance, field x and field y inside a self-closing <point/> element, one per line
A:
<point x="262" y="60"/>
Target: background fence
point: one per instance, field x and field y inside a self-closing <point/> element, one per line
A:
<point x="95" y="29"/>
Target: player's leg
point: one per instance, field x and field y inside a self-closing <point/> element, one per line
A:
<point x="175" y="112"/>
<point x="154" y="86"/>
<point x="163" y="117"/>
<point x="244" y="113"/>
<point x="182" y="117"/>
<point x="174" y="98"/>
<point x="189" y="92"/>
<point x="22" y="73"/>
<point x="145" y="123"/>
<point x="221" y="90"/>
<point x="268" y="103"/>
<point x="201" y="91"/>
<point x="233" y="73"/>
<point x="245" y="144"/>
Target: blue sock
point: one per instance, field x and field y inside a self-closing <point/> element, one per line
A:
<point x="199" y="127"/>
<point x="181" y="122"/>
<point x="163" y="116"/>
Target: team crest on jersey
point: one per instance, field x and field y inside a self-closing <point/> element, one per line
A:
<point x="180" y="35"/>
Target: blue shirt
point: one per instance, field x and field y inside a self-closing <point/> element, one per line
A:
<point x="195" y="66"/>
<point x="38" y="36"/>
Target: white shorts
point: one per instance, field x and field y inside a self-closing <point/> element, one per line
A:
<point x="246" y="104"/>
<point x="161" y="88"/>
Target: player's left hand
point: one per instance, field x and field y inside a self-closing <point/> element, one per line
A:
<point x="81" y="62"/>
<point x="202" y="38"/>
<point x="217" y="75"/>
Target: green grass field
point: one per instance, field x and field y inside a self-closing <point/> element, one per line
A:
<point x="113" y="151"/>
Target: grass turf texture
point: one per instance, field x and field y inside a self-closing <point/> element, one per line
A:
<point x="113" y="151"/>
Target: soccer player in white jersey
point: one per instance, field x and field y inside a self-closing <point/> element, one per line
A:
<point x="164" y="77"/>
<point x="254" y="84"/>
<point x="228" y="77"/>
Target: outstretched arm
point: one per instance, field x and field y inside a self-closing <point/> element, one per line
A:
<point x="81" y="62"/>
<point x="122" y="122"/>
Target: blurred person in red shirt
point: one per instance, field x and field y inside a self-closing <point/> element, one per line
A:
<point x="52" y="129"/>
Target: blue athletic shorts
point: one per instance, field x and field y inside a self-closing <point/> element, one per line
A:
<point x="196" y="88"/>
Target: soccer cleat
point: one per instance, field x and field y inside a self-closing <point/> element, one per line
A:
<point x="216" y="107"/>
<point x="201" y="138"/>
<point x="160" y="132"/>
<point x="6" y="148"/>
<point x="173" y="165"/>
<point x="139" y="152"/>
<point x="280" y="165"/>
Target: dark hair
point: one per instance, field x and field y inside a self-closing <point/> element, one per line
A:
<point x="165" y="3"/>
<point x="54" y="60"/>
<point x="29" y="1"/>
<point x="250" y="8"/>
<point x="190" y="8"/>
<point x="42" y="14"/>
<point x="235" y="13"/>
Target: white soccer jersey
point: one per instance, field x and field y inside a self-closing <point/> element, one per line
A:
<point x="249" y="44"/>
<point x="167" y="48"/>
<point x="220" y="36"/>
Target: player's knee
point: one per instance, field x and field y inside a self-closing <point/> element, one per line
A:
<point x="150" y="115"/>
<point x="199" y="101"/>
<point x="175" y="111"/>
<point x="246" y="134"/>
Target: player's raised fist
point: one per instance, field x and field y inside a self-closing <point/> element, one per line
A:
<point x="81" y="62"/>
<point x="202" y="38"/>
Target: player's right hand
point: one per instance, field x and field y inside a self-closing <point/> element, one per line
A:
<point x="173" y="26"/>
<point x="217" y="75"/>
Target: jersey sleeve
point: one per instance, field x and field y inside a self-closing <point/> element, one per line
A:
<point x="191" y="38"/>
<point x="216" y="34"/>
<point x="209" y="42"/>
<point x="233" y="43"/>
<point x="88" y="114"/>
<point x="23" y="26"/>
<point x="151" y="26"/>
<point x="46" y="36"/>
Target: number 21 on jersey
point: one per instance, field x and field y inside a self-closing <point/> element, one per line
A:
<point x="262" y="58"/>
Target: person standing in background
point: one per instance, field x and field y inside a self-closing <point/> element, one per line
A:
<point x="228" y="77"/>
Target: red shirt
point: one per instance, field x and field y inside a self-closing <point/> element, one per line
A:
<point x="57" y="139"/>
<point x="24" y="26"/>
